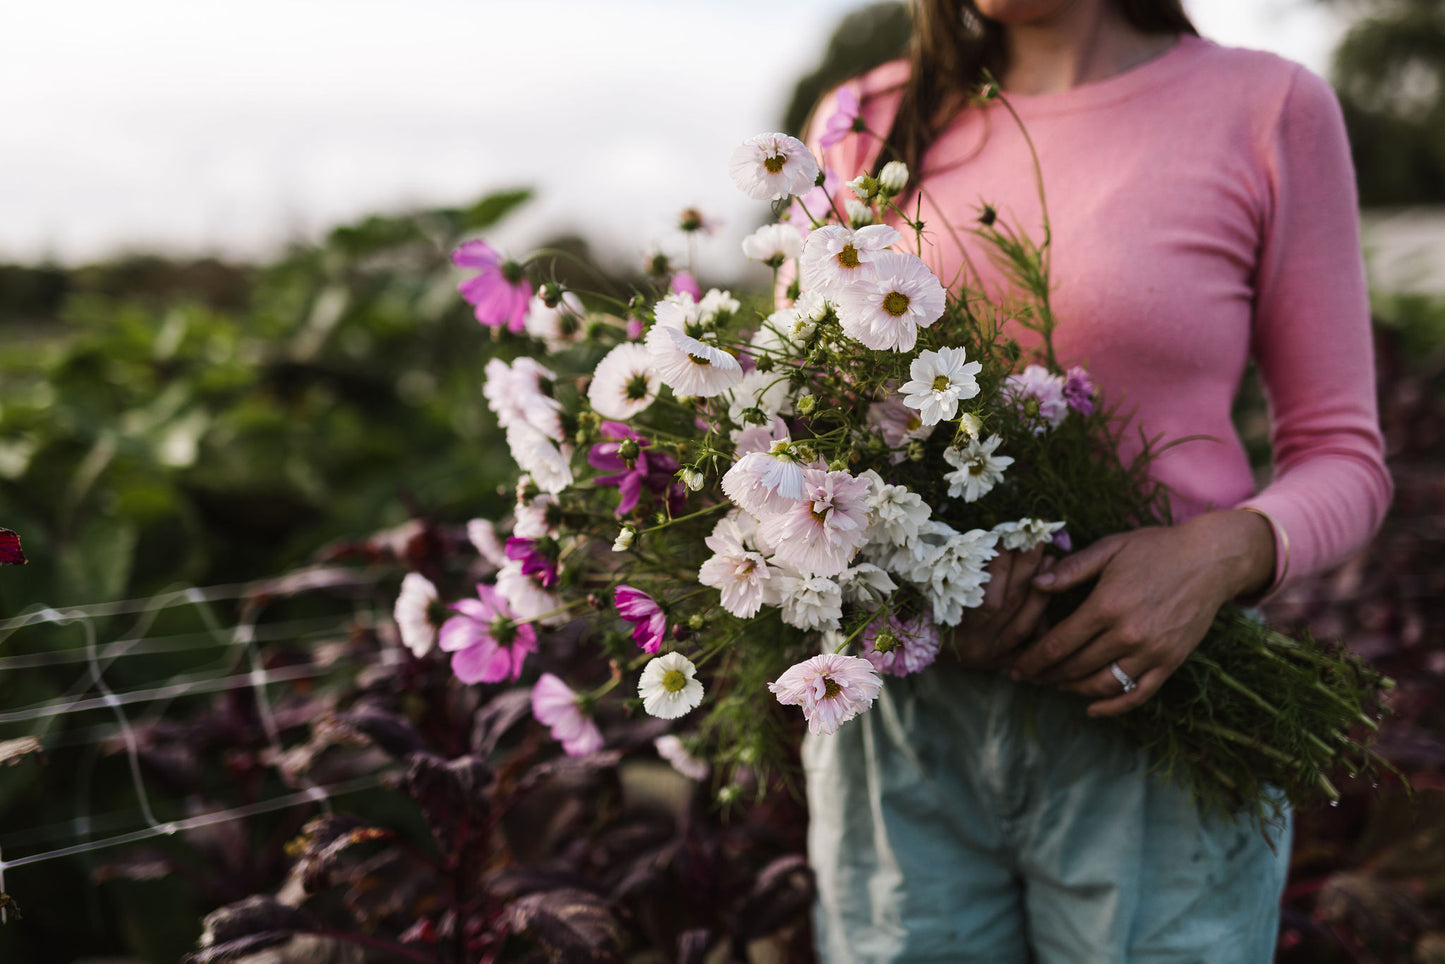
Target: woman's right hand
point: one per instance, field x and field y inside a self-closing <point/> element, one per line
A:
<point x="1010" y="616"/>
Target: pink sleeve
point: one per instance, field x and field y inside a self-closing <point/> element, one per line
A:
<point x="1312" y="343"/>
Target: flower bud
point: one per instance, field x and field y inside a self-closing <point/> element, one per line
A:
<point x="729" y="794"/>
<point x="551" y="294"/>
<point x="864" y="187"/>
<point x="914" y="451"/>
<point x="893" y="178"/>
<point x="680" y="631"/>
<point x="691" y="478"/>
<point x="695" y="622"/>
<point x="625" y="538"/>
<point x="806" y="403"/>
<point x="628" y="450"/>
<point x="859" y="214"/>
<point x="885" y="641"/>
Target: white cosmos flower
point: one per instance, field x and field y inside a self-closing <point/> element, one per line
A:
<point x="716" y="305"/>
<point x="768" y="481"/>
<point x="677" y="310"/>
<point x="689" y="366"/>
<point x="809" y="603"/>
<point x="548" y="465"/>
<point x="1025" y="534"/>
<point x="526" y="597"/>
<point x="834" y="256"/>
<point x="894" y="511"/>
<point x="958" y="574"/>
<point x="885" y="311"/>
<point x="811" y="306"/>
<point x="939" y="381"/>
<point x="514" y="393"/>
<point x="865" y="584"/>
<point x="557" y="326"/>
<point x="767" y="391"/>
<point x="530" y="517"/>
<point x="740" y="575"/>
<point x="978" y="469"/>
<point x="483" y="536"/>
<point x="672" y="749"/>
<point x="769" y="167"/>
<point x="624" y="383"/>
<point x="669" y="686"/>
<point x="413" y="613"/>
<point x="772" y="244"/>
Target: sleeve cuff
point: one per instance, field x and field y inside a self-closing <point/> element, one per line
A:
<point x="1281" y="556"/>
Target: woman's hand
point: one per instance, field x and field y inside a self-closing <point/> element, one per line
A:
<point x="1158" y="590"/>
<point x="1010" y="613"/>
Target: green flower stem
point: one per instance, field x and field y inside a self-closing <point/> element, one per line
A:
<point x="1259" y="746"/>
<point x="572" y="259"/>
<point x="683" y="518"/>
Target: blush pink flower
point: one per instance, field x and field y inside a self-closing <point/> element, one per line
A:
<point x="649" y="623"/>
<point x="831" y="689"/>
<point x="844" y="120"/>
<point x="770" y="481"/>
<point x="683" y="283"/>
<point x="486" y="643"/>
<point x="908" y="645"/>
<point x="557" y="707"/>
<point x="820" y="534"/>
<point x="500" y="292"/>
<point x="1039" y="395"/>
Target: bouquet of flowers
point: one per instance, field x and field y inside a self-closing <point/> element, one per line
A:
<point x="768" y="508"/>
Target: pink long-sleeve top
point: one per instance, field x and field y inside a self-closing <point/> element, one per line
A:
<point x="1203" y="212"/>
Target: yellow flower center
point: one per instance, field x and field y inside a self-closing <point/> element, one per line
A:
<point x="976" y="468"/>
<point x="848" y="257"/>
<point x="674" y="681"/>
<point x="698" y="359"/>
<point x="821" y="514"/>
<point x="830" y="688"/>
<point x="896" y="303"/>
<point x="914" y="423"/>
<point x="940" y="382"/>
<point x="774" y="163"/>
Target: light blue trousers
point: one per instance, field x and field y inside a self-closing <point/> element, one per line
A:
<point x="969" y="818"/>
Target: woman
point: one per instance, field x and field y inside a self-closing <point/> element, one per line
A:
<point x="1202" y="207"/>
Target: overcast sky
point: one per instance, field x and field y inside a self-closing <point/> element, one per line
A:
<point x="227" y="127"/>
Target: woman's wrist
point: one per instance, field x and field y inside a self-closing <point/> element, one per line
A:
<point x="1241" y="544"/>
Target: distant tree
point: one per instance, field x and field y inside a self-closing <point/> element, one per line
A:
<point x="864" y="39"/>
<point x="1389" y="71"/>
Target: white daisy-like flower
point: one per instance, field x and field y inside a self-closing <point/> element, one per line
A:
<point x="669" y="686"/>
<point x="769" y="167"/>
<point x="885" y="311"/>
<point x="624" y="383"/>
<point x="958" y="575"/>
<point x="865" y="584"/>
<point x="514" y="393"/>
<point x="549" y="465"/>
<point x="717" y="305"/>
<point x="414" y="613"/>
<point x="894" y="511"/>
<point x="677" y="310"/>
<point x="893" y="178"/>
<point x="939" y="381"/>
<point x="672" y="749"/>
<point x="530" y="517"/>
<point x="1025" y="534"/>
<point x="740" y="575"/>
<point x="978" y="469"/>
<point x="689" y="366"/>
<point x="834" y="256"/>
<point x="527" y="599"/>
<point x="625" y="537"/>
<point x="768" y="481"/>
<point x="558" y="325"/>
<point x="808" y="603"/>
<point x="811" y="306"/>
<point x="767" y="391"/>
<point x="483" y="536"/>
<point x="772" y="244"/>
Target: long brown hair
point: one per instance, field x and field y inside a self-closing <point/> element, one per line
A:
<point x="954" y="47"/>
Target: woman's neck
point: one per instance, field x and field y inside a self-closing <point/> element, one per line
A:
<point x="1084" y="42"/>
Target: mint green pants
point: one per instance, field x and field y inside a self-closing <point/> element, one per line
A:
<point x="969" y="818"/>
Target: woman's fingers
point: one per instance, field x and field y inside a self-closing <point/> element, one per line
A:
<point x="1025" y="621"/>
<point x="1059" y="643"/>
<point x="999" y="571"/>
<point x="1090" y="660"/>
<point x="1080" y="567"/>
<point x="1114" y="700"/>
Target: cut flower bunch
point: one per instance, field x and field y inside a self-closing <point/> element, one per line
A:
<point x="765" y="509"/>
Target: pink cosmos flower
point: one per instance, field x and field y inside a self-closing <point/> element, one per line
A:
<point x="830" y="688"/>
<point x="770" y="481"/>
<point x="759" y="438"/>
<point x="683" y="283"/>
<point x="844" y="120"/>
<point x="535" y="558"/>
<point x="737" y="573"/>
<point x="649" y="624"/>
<point x="486" y="644"/>
<point x="914" y="644"/>
<point x="557" y="707"/>
<point x="885" y="310"/>
<point x="1039" y="395"/>
<point x="500" y="292"/>
<point x="820" y="534"/>
<point x="1079" y="391"/>
<point x="649" y="470"/>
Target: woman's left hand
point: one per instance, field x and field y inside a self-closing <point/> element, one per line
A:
<point x="1158" y="590"/>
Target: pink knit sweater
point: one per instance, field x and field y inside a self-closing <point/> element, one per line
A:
<point x="1203" y="212"/>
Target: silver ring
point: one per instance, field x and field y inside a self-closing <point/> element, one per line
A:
<point x="1125" y="680"/>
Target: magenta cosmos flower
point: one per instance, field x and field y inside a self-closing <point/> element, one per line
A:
<point x="844" y="120"/>
<point x="649" y="624"/>
<point x="537" y="556"/>
<point x="500" y="293"/>
<point x="486" y="642"/>
<point x="1079" y="390"/>
<point x="649" y="470"/>
<point x="831" y="689"/>
<point x="558" y="708"/>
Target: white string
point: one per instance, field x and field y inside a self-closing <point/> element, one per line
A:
<point x="194" y="823"/>
<point x="164" y="600"/>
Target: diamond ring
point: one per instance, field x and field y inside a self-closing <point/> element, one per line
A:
<point x="1125" y="680"/>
